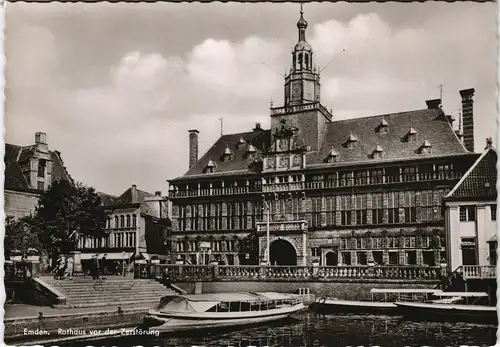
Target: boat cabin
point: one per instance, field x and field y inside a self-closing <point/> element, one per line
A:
<point x="402" y="294"/>
<point x="227" y="302"/>
<point x="464" y="298"/>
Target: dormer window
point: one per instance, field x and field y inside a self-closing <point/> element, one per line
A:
<point x="378" y="152"/>
<point x="251" y="151"/>
<point x="352" y="141"/>
<point x="383" y="127"/>
<point x="411" y="135"/>
<point x="333" y="156"/>
<point x="426" y="147"/>
<point x="228" y="154"/>
<point x="241" y="143"/>
<point x="210" y="168"/>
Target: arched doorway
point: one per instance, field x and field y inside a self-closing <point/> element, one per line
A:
<point x="332" y="258"/>
<point x="282" y="252"/>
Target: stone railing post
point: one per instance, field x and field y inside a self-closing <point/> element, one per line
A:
<point x="315" y="268"/>
<point x="215" y="273"/>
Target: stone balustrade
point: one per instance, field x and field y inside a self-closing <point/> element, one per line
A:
<point x="202" y="273"/>
<point x="16" y="271"/>
<point x="479" y="271"/>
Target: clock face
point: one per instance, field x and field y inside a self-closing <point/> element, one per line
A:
<point x="296" y="91"/>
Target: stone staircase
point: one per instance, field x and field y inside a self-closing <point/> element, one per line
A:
<point x="86" y="292"/>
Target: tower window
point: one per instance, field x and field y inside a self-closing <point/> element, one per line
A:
<point x="41" y="167"/>
<point x="306" y="59"/>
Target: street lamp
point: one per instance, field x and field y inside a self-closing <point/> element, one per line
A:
<point x="268" y="248"/>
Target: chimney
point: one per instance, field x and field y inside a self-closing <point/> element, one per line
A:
<point x="433" y="104"/>
<point x="468" y="118"/>
<point x="193" y="147"/>
<point x="133" y="192"/>
<point x="489" y="143"/>
<point x="257" y="127"/>
<point x="40" y="138"/>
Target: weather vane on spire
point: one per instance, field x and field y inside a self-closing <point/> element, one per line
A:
<point x="301" y="8"/>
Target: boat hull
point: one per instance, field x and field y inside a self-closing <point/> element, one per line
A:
<point x="164" y="322"/>
<point x="448" y="312"/>
<point x="353" y="306"/>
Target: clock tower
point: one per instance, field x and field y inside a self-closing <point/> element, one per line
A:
<point x="302" y="83"/>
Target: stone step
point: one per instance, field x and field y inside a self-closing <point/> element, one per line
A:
<point x="119" y="286"/>
<point x="123" y="287"/>
<point x="113" y="301"/>
<point x="150" y="303"/>
<point x="118" y="295"/>
<point x="114" y="292"/>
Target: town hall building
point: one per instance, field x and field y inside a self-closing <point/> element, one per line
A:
<point x="341" y="192"/>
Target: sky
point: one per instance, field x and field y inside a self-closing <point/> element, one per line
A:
<point x="116" y="87"/>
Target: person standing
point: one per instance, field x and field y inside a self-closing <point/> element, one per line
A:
<point x="103" y="266"/>
<point x="95" y="267"/>
<point x="70" y="266"/>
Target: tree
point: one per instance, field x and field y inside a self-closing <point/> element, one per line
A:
<point x="66" y="211"/>
<point x="20" y="238"/>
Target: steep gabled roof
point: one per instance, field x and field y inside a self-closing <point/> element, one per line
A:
<point x="106" y="199"/>
<point x="131" y="197"/>
<point x="14" y="177"/>
<point x="15" y="156"/>
<point x="479" y="182"/>
<point x="430" y="124"/>
<point x="240" y="162"/>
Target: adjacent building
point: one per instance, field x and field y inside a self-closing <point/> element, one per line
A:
<point x="29" y="170"/>
<point x="137" y="227"/>
<point x="342" y="192"/>
<point x="471" y="214"/>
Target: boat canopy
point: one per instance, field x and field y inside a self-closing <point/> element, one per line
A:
<point x="462" y="294"/>
<point x="404" y="290"/>
<point x="204" y="302"/>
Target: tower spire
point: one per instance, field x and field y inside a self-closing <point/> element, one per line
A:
<point x="302" y="25"/>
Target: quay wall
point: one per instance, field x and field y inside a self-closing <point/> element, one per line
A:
<point x="33" y="329"/>
<point x="354" y="290"/>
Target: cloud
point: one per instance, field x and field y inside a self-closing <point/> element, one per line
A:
<point x="236" y="69"/>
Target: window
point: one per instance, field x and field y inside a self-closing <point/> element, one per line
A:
<point x="493" y="212"/>
<point x="409" y="174"/>
<point x="377" y="176"/>
<point x="393" y="207"/>
<point x="122" y="222"/>
<point x="444" y="171"/>
<point x="362" y="258"/>
<point x="426" y="209"/>
<point x="467" y="213"/>
<point x="361" y="177"/>
<point x="377" y="242"/>
<point x="345" y="207"/>
<point x="361" y="209"/>
<point x="41" y="167"/>
<point x="330" y="210"/>
<point x="392" y="175"/>
<point x="40" y="185"/>
<point x="410" y="210"/>
<point x="393" y="258"/>
<point x="128" y="221"/>
<point x="134" y="220"/>
<point x="346" y="258"/>
<point x="345" y="179"/>
<point x="425" y="172"/>
<point x="315" y="252"/>
<point x="377" y="210"/>
<point x="346" y="217"/>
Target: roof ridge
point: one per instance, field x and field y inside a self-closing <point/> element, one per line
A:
<point x="382" y="115"/>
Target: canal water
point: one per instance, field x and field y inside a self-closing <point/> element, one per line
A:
<point x="311" y="329"/>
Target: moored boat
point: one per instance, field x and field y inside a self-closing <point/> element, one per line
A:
<point x="203" y="311"/>
<point x="382" y="301"/>
<point x="451" y="306"/>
